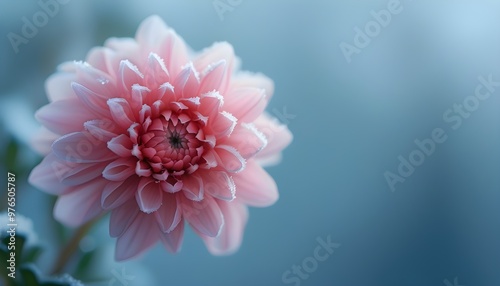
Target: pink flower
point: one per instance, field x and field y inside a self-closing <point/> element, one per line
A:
<point x="158" y="136"/>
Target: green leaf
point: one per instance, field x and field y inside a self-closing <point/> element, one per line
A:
<point x="32" y="254"/>
<point x="29" y="276"/>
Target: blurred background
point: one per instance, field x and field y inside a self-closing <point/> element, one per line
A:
<point x="352" y="116"/>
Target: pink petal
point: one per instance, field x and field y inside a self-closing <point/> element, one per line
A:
<point x="258" y="80"/>
<point x="81" y="147"/>
<point x="151" y="32"/>
<point x="218" y="184"/>
<point x="255" y="187"/>
<point x="169" y="188"/>
<point x="121" y="146"/>
<point x="58" y="86"/>
<point x="157" y="72"/>
<point x="168" y="215"/>
<point x="246" y="104"/>
<point x="210" y="104"/>
<point x="121" y="217"/>
<point x="174" y="51"/>
<point x="128" y="75"/>
<point x="246" y="139"/>
<point x="173" y="240"/>
<point x="149" y="195"/>
<point x="140" y="235"/>
<point x="121" y="112"/>
<point x="187" y="82"/>
<point x="223" y="124"/>
<point x="64" y="116"/>
<point x="212" y="77"/>
<point x="96" y="80"/>
<point x="94" y="102"/>
<point x="193" y="187"/>
<point x="214" y="54"/>
<point x="116" y="194"/>
<point x="82" y="173"/>
<point x="229" y="158"/>
<point x="120" y="169"/>
<point x="205" y="216"/>
<point x="47" y="175"/>
<point x="101" y="129"/>
<point x="278" y="137"/>
<point x="81" y="204"/>
<point x="229" y="241"/>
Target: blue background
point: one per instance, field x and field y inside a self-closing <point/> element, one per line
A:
<point x="350" y="121"/>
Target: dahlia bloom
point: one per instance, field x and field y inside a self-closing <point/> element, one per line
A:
<point x="158" y="136"/>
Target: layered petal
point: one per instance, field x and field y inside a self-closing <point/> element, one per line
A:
<point x="140" y="235"/>
<point x="255" y="187"/>
<point x="231" y="236"/>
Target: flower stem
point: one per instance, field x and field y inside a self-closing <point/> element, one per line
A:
<point x="70" y="248"/>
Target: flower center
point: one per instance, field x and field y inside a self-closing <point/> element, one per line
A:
<point x="176" y="141"/>
<point x="171" y="144"/>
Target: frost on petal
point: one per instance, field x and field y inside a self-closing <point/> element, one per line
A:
<point x="223" y="124"/>
<point x="205" y="216"/>
<point x="247" y="139"/>
<point x="278" y="138"/>
<point x="157" y="72"/>
<point x="213" y="55"/>
<point x="128" y="75"/>
<point x="81" y="204"/>
<point x="149" y="195"/>
<point x="96" y="80"/>
<point x="229" y="158"/>
<point x="140" y="235"/>
<point x="187" y="82"/>
<point x="212" y="77"/>
<point x="255" y="187"/>
<point x="231" y="236"/>
<point x="55" y="116"/>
